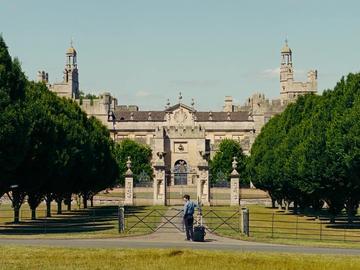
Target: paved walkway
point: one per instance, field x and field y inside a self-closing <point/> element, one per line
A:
<point x="170" y="237"/>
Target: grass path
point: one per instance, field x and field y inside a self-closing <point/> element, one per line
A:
<point x="15" y="257"/>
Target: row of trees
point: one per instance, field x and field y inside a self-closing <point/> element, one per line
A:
<point x="49" y="148"/>
<point x="310" y="154"/>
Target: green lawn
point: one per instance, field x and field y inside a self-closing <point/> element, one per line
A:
<point x="271" y="225"/>
<point x="94" y="222"/>
<point x="15" y="257"/>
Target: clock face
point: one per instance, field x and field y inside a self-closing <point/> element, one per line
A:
<point x="180" y="116"/>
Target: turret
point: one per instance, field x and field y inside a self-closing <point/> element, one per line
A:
<point x="286" y="68"/>
<point x="42" y="76"/>
<point x="71" y="75"/>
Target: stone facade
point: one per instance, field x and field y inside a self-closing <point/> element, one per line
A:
<point x="181" y="137"/>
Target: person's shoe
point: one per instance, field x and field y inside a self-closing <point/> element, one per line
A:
<point x="187" y="239"/>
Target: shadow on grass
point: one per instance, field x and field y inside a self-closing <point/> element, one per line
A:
<point x="100" y="218"/>
<point x="130" y="210"/>
<point x="351" y="226"/>
<point x="323" y="216"/>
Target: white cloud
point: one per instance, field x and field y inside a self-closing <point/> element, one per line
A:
<point x="142" y="94"/>
<point x="275" y="72"/>
<point x="271" y="73"/>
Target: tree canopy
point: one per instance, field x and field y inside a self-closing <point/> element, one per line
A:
<point x="309" y="154"/>
<point x="140" y="156"/>
<point x="49" y="148"/>
<point x="221" y="164"/>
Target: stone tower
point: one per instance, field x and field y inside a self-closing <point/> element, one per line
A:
<point x="286" y="71"/>
<point x="290" y="89"/>
<point x="69" y="87"/>
<point x="71" y="74"/>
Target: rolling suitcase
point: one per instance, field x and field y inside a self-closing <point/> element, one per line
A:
<point x="199" y="231"/>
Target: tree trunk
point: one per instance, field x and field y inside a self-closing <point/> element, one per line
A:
<point x="16" y="214"/>
<point x="332" y="219"/>
<point x="279" y="204"/>
<point x="33" y="213"/>
<point x="34" y="200"/>
<point x="17" y="199"/>
<point x="59" y="206"/>
<point x="287" y="203"/>
<point x="67" y="201"/>
<point x="85" y="201"/>
<point x="351" y="207"/>
<point x="295" y="207"/>
<point x="273" y="201"/>
<point x="48" y="207"/>
<point x="78" y="201"/>
<point x="92" y="201"/>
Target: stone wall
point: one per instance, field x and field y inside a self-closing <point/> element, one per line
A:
<point x="218" y="196"/>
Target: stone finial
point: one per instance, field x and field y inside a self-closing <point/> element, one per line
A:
<point x="192" y="103"/>
<point x="180" y="97"/>
<point x="234" y="163"/>
<point x="210" y="115"/>
<point x="149" y="116"/>
<point x="131" y="116"/>
<point x="228" y="116"/>
<point x="167" y="104"/>
<point x="128" y="165"/>
<point x="234" y="173"/>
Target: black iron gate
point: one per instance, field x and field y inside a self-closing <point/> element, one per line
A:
<point x="216" y="220"/>
<point x="226" y="221"/>
<point x="155" y="220"/>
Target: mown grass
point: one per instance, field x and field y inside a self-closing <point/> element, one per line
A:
<point x="272" y="225"/>
<point x="94" y="222"/>
<point x="16" y="257"/>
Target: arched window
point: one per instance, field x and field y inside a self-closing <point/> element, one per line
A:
<point x="180" y="172"/>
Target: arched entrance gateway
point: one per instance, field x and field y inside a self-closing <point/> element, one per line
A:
<point x="182" y="180"/>
<point x="180" y="172"/>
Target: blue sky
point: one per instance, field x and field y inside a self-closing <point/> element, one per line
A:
<point x="144" y="52"/>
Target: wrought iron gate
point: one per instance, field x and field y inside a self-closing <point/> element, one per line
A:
<point x="154" y="220"/>
<point x="215" y="220"/>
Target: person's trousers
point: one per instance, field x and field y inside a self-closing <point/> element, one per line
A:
<point x="189" y="222"/>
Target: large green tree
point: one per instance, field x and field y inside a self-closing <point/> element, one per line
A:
<point x="140" y="156"/>
<point x="221" y="164"/>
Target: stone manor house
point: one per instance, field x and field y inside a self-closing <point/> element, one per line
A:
<point x="182" y="138"/>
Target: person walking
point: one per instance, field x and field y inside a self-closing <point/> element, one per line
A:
<point x="188" y="218"/>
